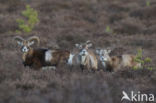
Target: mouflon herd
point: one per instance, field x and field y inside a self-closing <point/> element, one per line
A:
<point x="84" y="57"/>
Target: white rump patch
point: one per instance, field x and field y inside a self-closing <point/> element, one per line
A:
<point x="48" y="55"/>
<point x="70" y="60"/>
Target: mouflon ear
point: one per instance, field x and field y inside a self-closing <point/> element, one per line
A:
<point x="77" y="45"/>
<point x="32" y="40"/>
<point x="19" y="40"/>
<point x="89" y="45"/>
<point x="109" y="50"/>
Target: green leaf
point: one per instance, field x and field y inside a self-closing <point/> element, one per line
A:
<point x="30" y="19"/>
<point x="108" y="29"/>
<point x="148" y="60"/>
<point x="148" y="3"/>
<point x="135" y="68"/>
<point x="18" y="32"/>
<point x="150" y="68"/>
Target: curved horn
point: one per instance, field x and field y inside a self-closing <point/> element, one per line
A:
<point x="88" y="44"/>
<point x="31" y="40"/>
<point x="19" y="40"/>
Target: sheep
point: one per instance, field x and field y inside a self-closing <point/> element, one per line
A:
<point x="40" y="57"/>
<point x="114" y="63"/>
<point x="86" y="57"/>
<point x="101" y="62"/>
<point x="73" y="59"/>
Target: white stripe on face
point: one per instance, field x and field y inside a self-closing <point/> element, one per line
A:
<point x="48" y="56"/>
<point x="103" y="58"/>
<point x="83" y="54"/>
<point x="25" y="49"/>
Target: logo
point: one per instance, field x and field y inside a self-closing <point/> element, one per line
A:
<point x="125" y="96"/>
<point x="137" y="97"/>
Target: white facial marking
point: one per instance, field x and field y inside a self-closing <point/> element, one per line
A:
<point x="70" y="60"/>
<point x="25" y="49"/>
<point x="103" y="58"/>
<point x="83" y="55"/>
<point x="48" y="56"/>
<point x="83" y="52"/>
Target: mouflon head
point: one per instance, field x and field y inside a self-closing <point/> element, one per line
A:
<point x="103" y="54"/>
<point x="26" y="44"/>
<point x="83" y="48"/>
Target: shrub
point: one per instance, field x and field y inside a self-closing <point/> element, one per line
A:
<point x="108" y="29"/>
<point x="144" y="61"/>
<point x="148" y="3"/>
<point x="30" y="19"/>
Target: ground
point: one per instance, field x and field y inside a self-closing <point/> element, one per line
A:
<point x="122" y="25"/>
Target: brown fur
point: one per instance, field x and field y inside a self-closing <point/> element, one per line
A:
<point x="95" y="65"/>
<point x="90" y="61"/>
<point x="117" y="62"/>
<point x="60" y="57"/>
<point x="35" y="58"/>
<point x="75" y="59"/>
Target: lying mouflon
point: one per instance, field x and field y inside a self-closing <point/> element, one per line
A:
<point x="114" y="63"/>
<point x="37" y="58"/>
